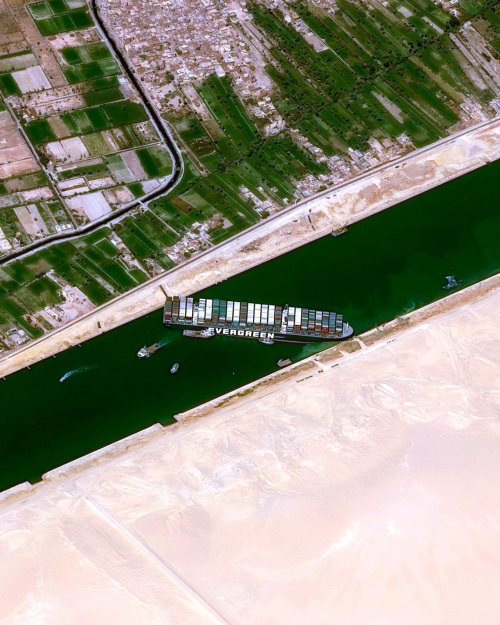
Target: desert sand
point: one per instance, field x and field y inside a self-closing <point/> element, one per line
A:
<point x="304" y="222"/>
<point x="361" y="487"/>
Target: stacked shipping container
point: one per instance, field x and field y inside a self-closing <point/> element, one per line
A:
<point x="251" y="316"/>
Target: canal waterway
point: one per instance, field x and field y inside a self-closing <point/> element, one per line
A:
<point x="389" y="264"/>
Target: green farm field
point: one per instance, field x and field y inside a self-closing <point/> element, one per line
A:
<point x="56" y="16"/>
<point x="386" y="73"/>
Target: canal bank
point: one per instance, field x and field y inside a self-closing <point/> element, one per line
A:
<point x="385" y="448"/>
<point x="283" y="381"/>
<point x="302" y="223"/>
<point x="334" y="355"/>
<point x="386" y="266"/>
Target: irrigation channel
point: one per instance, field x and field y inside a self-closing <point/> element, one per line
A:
<point x="161" y="127"/>
<point x="387" y="265"/>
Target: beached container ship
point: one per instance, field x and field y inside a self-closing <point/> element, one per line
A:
<point x="206" y="318"/>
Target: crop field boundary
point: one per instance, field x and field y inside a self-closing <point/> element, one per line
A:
<point x="161" y="127"/>
<point x="265" y="240"/>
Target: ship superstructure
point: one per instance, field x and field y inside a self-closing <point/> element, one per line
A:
<point x="264" y="322"/>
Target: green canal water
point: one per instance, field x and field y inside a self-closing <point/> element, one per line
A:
<point x="384" y="266"/>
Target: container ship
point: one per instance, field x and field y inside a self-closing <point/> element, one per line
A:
<point x="267" y="323"/>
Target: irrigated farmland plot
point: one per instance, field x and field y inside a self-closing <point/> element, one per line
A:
<point x="372" y="78"/>
<point x="57" y="16"/>
<point x="281" y="100"/>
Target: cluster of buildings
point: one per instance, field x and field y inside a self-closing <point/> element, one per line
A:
<point x="186" y="42"/>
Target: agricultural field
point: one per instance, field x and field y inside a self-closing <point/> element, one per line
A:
<point x="103" y="116"/>
<point x="20" y="73"/>
<point x="342" y="87"/>
<point x="86" y="147"/>
<point x="345" y="80"/>
<point x="237" y="132"/>
<point x="58" y="16"/>
<point x="379" y="75"/>
<point x="96" y="140"/>
<point x="89" y="62"/>
<point x="94" y="264"/>
<point x="248" y="171"/>
<point x="147" y="237"/>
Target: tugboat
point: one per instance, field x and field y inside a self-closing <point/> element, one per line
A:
<point x="451" y="282"/>
<point x="284" y="362"/>
<point x="199" y="334"/>
<point x="146" y="352"/>
<point x="266" y="341"/>
<point x="174" y="368"/>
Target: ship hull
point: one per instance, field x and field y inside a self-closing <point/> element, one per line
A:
<point x="277" y="337"/>
<point x="267" y="323"/>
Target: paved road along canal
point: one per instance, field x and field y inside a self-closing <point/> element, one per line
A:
<point x="384" y="266"/>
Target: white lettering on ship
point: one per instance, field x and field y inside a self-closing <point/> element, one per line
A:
<point x="253" y="334"/>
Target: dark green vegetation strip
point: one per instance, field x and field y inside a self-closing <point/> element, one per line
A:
<point x="240" y="158"/>
<point x="87" y="170"/>
<point x="55" y="16"/>
<point x="83" y="121"/>
<point x="40" y="131"/>
<point x="379" y="75"/>
<point x="240" y="132"/>
<point x="492" y="17"/>
<point x="93" y="264"/>
<point x="9" y="86"/>
<point x="102" y="96"/>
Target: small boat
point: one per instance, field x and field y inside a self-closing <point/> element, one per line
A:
<point x="451" y="282"/>
<point x="146" y="352"/>
<point x="284" y="362"/>
<point x="266" y="341"/>
<point x="339" y="232"/>
<point x="174" y="368"/>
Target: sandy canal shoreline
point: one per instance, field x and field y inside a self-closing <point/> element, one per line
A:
<point x="305" y="222"/>
<point x="278" y="381"/>
<point x="359" y="486"/>
<point x="353" y="348"/>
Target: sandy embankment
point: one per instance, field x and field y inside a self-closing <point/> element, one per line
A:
<point x="306" y="222"/>
<point x="364" y="490"/>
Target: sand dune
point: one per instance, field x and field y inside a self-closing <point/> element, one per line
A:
<point x="365" y="494"/>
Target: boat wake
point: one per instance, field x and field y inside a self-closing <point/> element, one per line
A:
<point x="308" y="350"/>
<point x="408" y="309"/>
<point x="166" y="340"/>
<point x="74" y="372"/>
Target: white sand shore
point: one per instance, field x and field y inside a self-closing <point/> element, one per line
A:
<point x="364" y="490"/>
<point x="306" y="222"/>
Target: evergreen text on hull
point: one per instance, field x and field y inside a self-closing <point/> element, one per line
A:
<point x="206" y="318"/>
